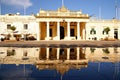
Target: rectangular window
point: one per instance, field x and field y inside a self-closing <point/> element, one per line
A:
<point x="72" y="32"/>
<point x="25" y="26"/>
<point x="8" y="26"/>
<point x="50" y="33"/>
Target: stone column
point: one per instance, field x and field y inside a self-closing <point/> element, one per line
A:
<point x="68" y="53"/>
<point x="47" y="36"/>
<point x="58" y="30"/>
<point x="38" y="31"/>
<point x="58" y="52"/>
<point x="78" y="31"/>
<point x="68" y="30"/>
<point x="78" y="52"/>
<point x="47" y="53"/>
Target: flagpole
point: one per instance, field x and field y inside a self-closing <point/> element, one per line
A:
<point x="116" y="9"/>
<point x="100" y="12"/>
<point x="119" y="12"/>
<point x="24" y="9"/>
<point x="62" y="2"/>
<point x="0" y="7"/>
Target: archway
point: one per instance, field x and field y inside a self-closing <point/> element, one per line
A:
<point x="62" y="32"/>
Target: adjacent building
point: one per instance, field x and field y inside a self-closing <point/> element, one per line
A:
<point x="62" y="24"/>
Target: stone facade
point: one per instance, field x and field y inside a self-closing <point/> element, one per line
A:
<point x="61" y="24"/>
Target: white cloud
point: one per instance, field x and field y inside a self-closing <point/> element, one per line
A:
<point x="18" y="3"/>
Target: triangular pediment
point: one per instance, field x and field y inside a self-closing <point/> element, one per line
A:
<point x="63" y="9"/>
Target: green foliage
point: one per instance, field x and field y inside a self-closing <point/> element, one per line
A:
<point x="107" y="29"/>
<point x="11" y="52"/>
<point x="106" y="51"/>
<point x="13" y="28"/>
<point x="92" y="50"/>
<point x="92" y="31"/>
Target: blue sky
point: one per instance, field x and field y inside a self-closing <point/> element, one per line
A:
<point x="90" y="7"/>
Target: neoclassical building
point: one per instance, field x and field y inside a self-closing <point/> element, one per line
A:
<point x="62" y="24"/>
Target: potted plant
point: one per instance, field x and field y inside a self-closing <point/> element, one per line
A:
<point x="106" y="50"/>
<point x="13" y="28"/>
<point x="106" y="31"/>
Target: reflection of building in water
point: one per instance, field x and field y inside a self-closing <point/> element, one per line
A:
<point x="51" y="58"/>
<point x="61" y="59"/>
<point x="61" y="67"/>
<point x="10" y="55"/>
<point x="103" y="54"/>
<point x="59" y="54"/>
<point x="63" y="54"/>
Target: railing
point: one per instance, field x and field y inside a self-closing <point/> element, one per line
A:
<point x="72" y="14"/>
<point x="6" y="18"/>
<point x="105" y="20"/>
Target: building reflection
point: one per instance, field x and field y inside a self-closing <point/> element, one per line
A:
<point x="111" y="54"/>
<point x="37" y="55"/>
<point x="61" y="59"/>
<point x="61" y="54"/>
<point x="11" y="55"/>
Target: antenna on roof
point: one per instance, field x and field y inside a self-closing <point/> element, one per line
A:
<point x="24" y="9"/>
<point x="0" y="7"/>
<point x="100" y="12"/>
<point x="116" y="9"/>
<point x="62" y="2"/>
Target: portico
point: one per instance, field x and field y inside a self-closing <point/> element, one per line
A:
<point x="62" y="30"/>
<point x="62" y="24"/>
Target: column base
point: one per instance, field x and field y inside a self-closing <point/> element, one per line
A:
<point x="56" y="38"/>
<point x="67" y="38"/>
<point x="12" y="38"/>
<point x="79" y="38"/>
<point x="70" y="38"/>
<point x="48" y="38"/>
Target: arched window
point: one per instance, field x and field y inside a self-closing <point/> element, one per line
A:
<point x="92" y="31"/>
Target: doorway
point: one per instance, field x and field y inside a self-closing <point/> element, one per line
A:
<point x="50" y="33"/>
<point x="62" y="32"/>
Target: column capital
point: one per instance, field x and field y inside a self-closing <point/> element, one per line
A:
<point x="68" y="21"/>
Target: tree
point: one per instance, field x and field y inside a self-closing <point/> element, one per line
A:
<point x="106" y="30"/>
